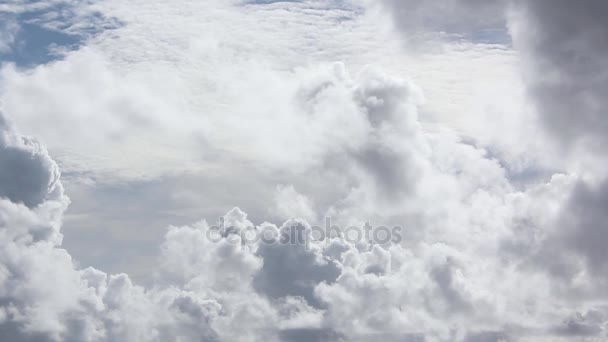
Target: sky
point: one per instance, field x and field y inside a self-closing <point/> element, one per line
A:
<point x="304" y="170"/>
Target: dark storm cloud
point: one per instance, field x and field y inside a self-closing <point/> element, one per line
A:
<point x="565" y="44"/>
<point x="586" y="225"/>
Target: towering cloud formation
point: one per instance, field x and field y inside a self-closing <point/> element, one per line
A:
<point x="466" y="268"/>
<point x="479" y="257"/>
<point x="564" y="46"/>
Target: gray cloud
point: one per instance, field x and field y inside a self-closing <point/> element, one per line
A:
<point x="564" y="47"/>
<point x="224" y="291"/>
<point x="449" y="282"/>
<point x="479" y="20"/>
<point x="28" y="175"/>
<point x="582" y="231"/>
<point x="291" y="268"/>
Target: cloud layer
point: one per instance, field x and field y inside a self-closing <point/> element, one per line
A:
<point x="469" y="245"/>
<point x="488" y="249"/>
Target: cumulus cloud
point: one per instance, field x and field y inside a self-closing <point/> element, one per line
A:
<point x="45" y="297"/>
<point x="439" y="285"/>
<point x="480" y="257"/>
<point x="290" y="203"/>
<point x="563" y="49"/>
<point x="28" y="174"/>
<point x="562" y="63"/>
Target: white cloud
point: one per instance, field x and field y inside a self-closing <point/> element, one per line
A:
<point x="289" y="203"/>
<point x="249" y="95"/>
<point x="438" y="285"/>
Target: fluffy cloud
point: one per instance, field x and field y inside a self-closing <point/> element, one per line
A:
<point x="450" y="279"/>
<point x="45" y="297"/>
<point x="29" y="175"/>
<point x="480" y="256"/>
<point x="563" y="53"/>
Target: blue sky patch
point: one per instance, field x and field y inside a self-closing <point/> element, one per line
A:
<point x="41" y="36"/>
